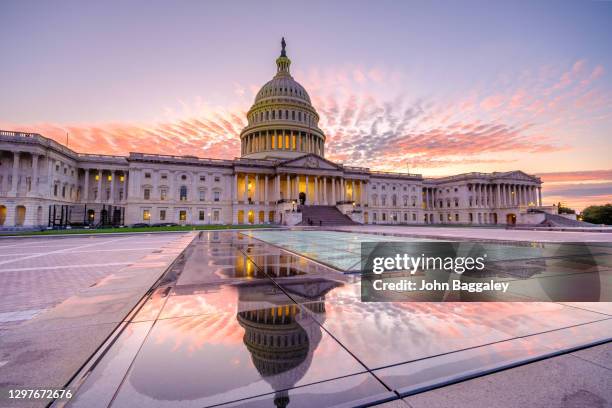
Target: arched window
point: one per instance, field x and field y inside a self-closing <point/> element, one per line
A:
<point x="183" y="193"/>
<point x="394" y="200"/>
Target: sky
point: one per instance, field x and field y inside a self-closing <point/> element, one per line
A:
<point x="434" y="88"/>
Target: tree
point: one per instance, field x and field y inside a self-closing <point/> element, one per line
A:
<point x="565" y="210"/>
<point x="598" y="214"/>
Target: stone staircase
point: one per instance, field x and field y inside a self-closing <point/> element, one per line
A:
<point x="554" y="220"/>
<point x="323" y="215"/>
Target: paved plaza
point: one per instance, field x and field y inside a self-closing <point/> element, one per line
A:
<point x="61" y="297"/>
<point x="240" y="322"/>
<point x="254" y="318"/>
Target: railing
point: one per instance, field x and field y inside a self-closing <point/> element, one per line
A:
<point x="40" y="139"/>
<point x="394" y="174"/>
<point x="149" y="156"/>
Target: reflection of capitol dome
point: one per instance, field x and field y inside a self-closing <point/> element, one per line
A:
<point x="282" y="123"/>
<point x="281" y="341"/>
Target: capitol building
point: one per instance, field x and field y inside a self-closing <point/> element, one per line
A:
<point x="281" y="177"/>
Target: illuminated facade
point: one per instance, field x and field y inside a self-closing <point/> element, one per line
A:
<point x="282" y="165"/>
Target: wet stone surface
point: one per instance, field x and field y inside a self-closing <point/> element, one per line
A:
<point x="241" y="322"/>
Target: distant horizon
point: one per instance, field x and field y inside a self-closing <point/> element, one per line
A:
<point x="437" y="89"/>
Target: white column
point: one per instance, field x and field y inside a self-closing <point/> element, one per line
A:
<point x="353" y="198"/>
<point x="86" y="186"/>
<point x="256" y="192"/>
<point x="307" y="191"/>
<point x="288" y="196"/>
<point x="112" y="187"/>
<point x="99" y="198"/>
<point x="246" y="189"/>
<point x="325" y="191"/>
<point x="235" y="190"/>
<point x="505" y="195"/>
<point x="316" y="189"/>
<point x="497" y="196"/>
<point x="125" y="181"/>
<point x="266" y="193"/>
<point x="35" y="174"/>
<point x="540" y="196"/>
<point x="15" y="178"/>
<point x="333" y="191"/>
<point x="277" y="187"/>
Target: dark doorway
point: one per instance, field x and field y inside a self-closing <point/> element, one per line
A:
<point x="302" y="197"/>
<point x="91" y="216"/>
<point x="511" y="219"/>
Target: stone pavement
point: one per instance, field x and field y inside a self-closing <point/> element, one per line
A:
<point x="237" y="322"/>
<point x="60" y="298"/>
<point x="576" y="380"/>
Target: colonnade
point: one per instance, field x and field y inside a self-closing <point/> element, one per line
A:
<point x="287" y="140"/>
<point x="260" y="188"/>
<point x="115" y="180"/>
<point x="481" y="195"/>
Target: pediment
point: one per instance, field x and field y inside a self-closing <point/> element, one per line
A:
<point x="517" y="175"/>
<point x="310" y="161"/>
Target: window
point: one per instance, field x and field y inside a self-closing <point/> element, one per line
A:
<point x="97" y="177"/>
<point x="384" y="216"/>
<point x="57" y="167"/>
<point x="413" y="217"/>
<point x="202" y="178"/>
<point x="147" y="175"/>
<point x="55" y="190"/>
<point x="201" y="215"/>
<point x="147" y="194"/>
<point x="65" y="170"/>
<point x="457" y="217"/>
<point x="146" y="215"/>
<point x="216" y="195"/>
<point x="202" y="195"/>
<point x="183" y="215"/>
<point x="217" y="179"/>
<point x="163" y="194"/>
<point x="64" y="191"/>
<point x="183" y="177"/>
<point x="164" y="176"/>
<point x="162" y="215"/>
<point x="183" y="193"/>
<point x="405" y="216"/>
<point x="216" y="215"/>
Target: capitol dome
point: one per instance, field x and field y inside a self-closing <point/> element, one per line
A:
<point x="282" y="123"/>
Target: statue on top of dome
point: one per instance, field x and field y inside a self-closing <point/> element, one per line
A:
<point x="283" y="44"/>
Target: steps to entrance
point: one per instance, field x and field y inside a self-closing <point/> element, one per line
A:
<point x="554" y="220"/>
<point x="324" y="215"/>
